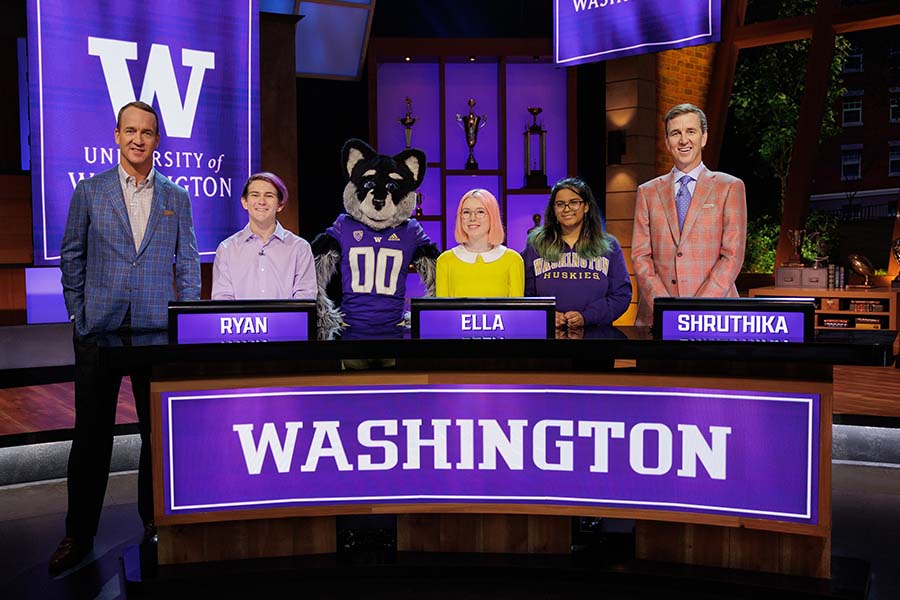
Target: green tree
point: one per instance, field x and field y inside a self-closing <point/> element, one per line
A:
<point x="762" y="236"/>
<point x="765" y="101"/>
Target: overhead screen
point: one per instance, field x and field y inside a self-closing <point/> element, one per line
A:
<point x="593" y="30"/>
<point x="331" y="38"/>
<point x="195" y="62"/>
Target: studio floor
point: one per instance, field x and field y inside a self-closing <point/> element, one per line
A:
<point x="866" y="528"/>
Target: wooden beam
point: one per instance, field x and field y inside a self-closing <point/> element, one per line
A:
<point x="867" y="16"/>
<point x="847" y="19"/>
<point x="812" y="111"/>
<point x="767" y="33"/>
<point x="721" y="81"/>
<point x="893" y="266"/>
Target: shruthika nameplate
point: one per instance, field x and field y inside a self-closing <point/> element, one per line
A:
<point x="734" y="319"/>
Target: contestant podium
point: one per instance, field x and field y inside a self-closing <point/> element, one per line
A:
<point x="721" y="453"/>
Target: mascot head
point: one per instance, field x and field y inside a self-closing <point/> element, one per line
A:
<point x="381" y="189"/>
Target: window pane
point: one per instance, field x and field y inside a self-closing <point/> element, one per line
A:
<point x="894" y="162"/>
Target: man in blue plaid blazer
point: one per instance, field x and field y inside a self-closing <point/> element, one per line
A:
<point x="125" y="228"/>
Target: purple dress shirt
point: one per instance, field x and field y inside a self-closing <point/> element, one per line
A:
<point x="247" y="269"/>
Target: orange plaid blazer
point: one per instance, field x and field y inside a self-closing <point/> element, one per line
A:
<point x="703" y="259"/>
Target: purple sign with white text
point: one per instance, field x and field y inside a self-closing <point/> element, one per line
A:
<point x="212" y="328"/>
<point x="593" y="30"/>
<point x="194" y="62"/>
<point x="722" y="325"/>
<point x="729" y="452"/>
<point x="482" y="324"/>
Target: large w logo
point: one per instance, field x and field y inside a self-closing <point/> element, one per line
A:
<point x="159" y="80"/>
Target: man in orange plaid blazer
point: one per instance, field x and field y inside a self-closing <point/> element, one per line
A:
<point x="690" y="225"/>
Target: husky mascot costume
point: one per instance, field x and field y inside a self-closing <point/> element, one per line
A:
<point x="372" y="244"/>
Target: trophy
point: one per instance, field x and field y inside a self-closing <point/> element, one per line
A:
<point x="796" y="238"/>
<point x="895" y="251"/>
<point x="419" y="199"/>
<point x="861" y="266"/>
<point x="470" y="124"/>
<point x="536" y="218"/>
<point x="407" y="121"/>
<point x="821" y="247"/>
<point x="535" y="174"/>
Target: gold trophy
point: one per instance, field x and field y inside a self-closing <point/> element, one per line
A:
<point x="861" y="266"/>
<point x="407" y="121"/>
<point x="470" y="124"/>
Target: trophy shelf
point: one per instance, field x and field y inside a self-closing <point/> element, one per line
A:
<point x="424" y="91"/>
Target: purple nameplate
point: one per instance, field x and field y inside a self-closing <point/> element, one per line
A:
<point x="727" y="452"/>
<point x="482" y="324"/>
<point x="741" y="326"/>
<point x="229" y="327"/>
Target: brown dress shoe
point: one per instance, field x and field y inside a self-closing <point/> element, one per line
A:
<point x="69" y="553"/>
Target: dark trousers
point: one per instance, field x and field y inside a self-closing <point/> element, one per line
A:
<point x="96" y="396"/>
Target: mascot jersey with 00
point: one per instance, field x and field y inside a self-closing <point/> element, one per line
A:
<point x="372" y="244"/>
<point x="373" y="273"/>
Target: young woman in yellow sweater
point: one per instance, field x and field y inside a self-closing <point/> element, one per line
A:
<point x="480" y="266"/>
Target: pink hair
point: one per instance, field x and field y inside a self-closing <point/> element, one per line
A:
<point x="489" y="202"/>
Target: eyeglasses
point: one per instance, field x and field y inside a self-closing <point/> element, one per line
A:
<point x="570" y="205"/>
<point x="478" y="213"/>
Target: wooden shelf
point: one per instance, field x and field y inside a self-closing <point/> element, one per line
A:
<point x="858" y="313"/>
<point x="889" y="319"/>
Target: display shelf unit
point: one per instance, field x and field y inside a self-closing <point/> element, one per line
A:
<point x="839" y="305"/>
<point x="505" y="77"/>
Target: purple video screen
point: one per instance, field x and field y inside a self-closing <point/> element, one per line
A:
<point x="727" y="452"/>
<point x="86" y="61"/>
<point x="594" y="30"/>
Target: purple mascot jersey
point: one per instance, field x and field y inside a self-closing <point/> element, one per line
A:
<point x="374" y="266"/>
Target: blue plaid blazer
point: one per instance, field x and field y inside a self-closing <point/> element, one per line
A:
<point x="102" y="274"/>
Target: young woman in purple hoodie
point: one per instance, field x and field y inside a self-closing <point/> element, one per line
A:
<point x="572" y="258"/>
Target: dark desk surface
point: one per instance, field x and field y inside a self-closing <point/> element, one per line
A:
<point x="873" y="348"/>
<point x="37" y="354"/>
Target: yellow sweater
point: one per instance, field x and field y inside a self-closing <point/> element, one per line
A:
<point x="497" y="273"/>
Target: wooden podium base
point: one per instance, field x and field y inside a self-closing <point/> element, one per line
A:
<point x="480" y="533"/>
<point x="733" y="548"/>
<point x="236" y="540"/>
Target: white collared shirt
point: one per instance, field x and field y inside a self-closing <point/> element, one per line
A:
<point x="138" y="200"/>
<point x="467" y="256"/>
<point x="694" y="174"/>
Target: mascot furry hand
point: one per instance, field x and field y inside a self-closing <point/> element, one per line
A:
<point x="372" y="244"/>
